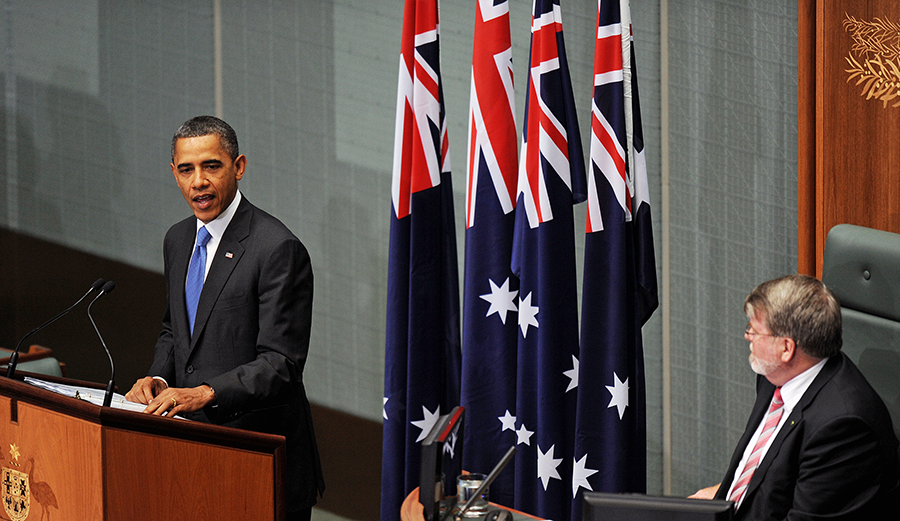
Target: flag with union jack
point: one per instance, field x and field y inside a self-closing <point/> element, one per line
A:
<point x="619" y="291"/>
<point x="551" y="179"/>
<point x="422" y="348"/>
<point x="489" y="310"/>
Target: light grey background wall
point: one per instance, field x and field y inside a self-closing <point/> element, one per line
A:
<point x="94" y="89"/>
<point x="733" y="219"/>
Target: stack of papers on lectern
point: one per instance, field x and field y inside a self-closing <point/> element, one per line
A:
<point x="87" y="394"/>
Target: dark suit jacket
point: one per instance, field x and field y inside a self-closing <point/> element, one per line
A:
<point x="251" y="337"/>
<point x="835" y="457"/>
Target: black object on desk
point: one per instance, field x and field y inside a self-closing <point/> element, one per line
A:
<point x="601" y="506"/>
<point x="432" y="482"/>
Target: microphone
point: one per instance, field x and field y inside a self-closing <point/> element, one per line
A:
<point x="107" y="398"/>
<point x="14" y="357"/>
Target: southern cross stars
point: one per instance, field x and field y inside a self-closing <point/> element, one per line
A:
<point x="546" y="467"/>
<point x="427" y="422"/>
<point x="502" y="300"/>
<point x="619" y="392"/>
<point x="580" y="474"/>
<point x="527" y="315"/>
<point x="572" y="374"/>
<point x="508" y="421"/>
<point x="523" y="435"/>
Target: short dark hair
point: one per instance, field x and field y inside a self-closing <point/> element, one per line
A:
<point x="801" y="308"/>
<point x="206" y="126"/>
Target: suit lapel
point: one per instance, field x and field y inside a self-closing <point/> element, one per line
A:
<point x="792" y="421"/>
<point x="228" y="254"/>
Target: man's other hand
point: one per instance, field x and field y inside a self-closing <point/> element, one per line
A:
<point x="706" y="493"/>
<point x="145" y="389"/>
<point x="177" y="400"/>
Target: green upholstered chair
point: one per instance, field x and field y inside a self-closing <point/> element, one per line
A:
<point x="862" y="267"/>
<point x="37" y="359"/>
<point x="48" y="366"/>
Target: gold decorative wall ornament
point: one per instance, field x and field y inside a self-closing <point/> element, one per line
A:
<point x="874" y="58"/>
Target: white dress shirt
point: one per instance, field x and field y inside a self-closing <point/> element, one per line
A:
<point x="791" y="393"/>
<point x="216" y="229"/>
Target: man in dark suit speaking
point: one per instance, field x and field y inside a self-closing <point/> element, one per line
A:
<point x="819" y="443"/>
<point x="239" y="308"/>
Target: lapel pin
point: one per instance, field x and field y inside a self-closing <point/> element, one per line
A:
<point x="228" y="255"/>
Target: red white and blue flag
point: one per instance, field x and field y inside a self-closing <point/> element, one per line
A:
<point x="619" y="291"/>
<point x="422" y="350"/>
<point x="489" y="303"/>
<point x="551" y="179"/>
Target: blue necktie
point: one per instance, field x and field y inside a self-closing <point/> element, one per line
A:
<point x="194" y="284"/>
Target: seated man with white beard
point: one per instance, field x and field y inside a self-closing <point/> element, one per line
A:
<point x="819" y="442"/>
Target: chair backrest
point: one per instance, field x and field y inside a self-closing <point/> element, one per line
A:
<point x="862" y="267"/>
<point x="49" y="366"/>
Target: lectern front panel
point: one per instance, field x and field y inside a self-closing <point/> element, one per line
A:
<point x="51" y="464"/>
<point x="177" y="479"/>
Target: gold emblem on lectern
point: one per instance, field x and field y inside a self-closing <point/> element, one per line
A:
<point x="15" y="493"/>
<point x="875" y="58"/>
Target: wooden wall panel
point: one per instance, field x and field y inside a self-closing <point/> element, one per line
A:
<point x="856" y="166"/>
<point x="806" y="137"/>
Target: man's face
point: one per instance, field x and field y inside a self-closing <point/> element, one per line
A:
<point x="206" y="175"/>
<point x="765" y="355"/>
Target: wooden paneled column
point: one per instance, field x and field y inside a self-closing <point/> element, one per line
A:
<point x="848" y="63"/>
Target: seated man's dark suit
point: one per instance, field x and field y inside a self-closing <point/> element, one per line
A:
<point x="834" y="458"/>
<point x="251" y="337"/>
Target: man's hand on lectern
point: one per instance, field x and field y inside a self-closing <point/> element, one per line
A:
<point x="145" y="390"/>
<point x="706" y="493"/>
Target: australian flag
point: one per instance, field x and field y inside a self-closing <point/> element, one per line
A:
<point x="551" y="180"/>
<point x="422" y="351"/>
<point x="619" y="291"/>
<point x="491" y="290"/>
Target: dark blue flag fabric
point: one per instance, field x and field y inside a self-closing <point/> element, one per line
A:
<point x="647" y="293"/>
<point x="422" y="350"/>
<point x="551" y="180"/>
<point x="489" y="303"/>
<point x="619" y="291"/>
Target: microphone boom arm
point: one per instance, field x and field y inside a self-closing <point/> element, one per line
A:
<point x="14" y="357"/>
<point x="107" y="398"/>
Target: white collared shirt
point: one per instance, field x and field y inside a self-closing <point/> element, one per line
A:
<point x="791" y="393"/>
<point x="216" y="229"/>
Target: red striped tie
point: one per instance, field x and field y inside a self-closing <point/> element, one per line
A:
<point x="772" y="419"/>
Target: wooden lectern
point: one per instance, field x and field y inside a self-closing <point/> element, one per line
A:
<point x="88" y="462"/>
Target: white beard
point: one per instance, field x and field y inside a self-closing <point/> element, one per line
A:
<point x="760" y="367"/>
